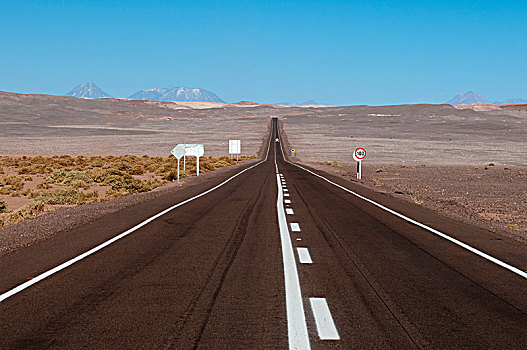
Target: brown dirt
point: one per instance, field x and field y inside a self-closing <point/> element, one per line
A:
<point x="492" y="197"/>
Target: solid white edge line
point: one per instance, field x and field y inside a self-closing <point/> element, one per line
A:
<point x="303" y="255"/>
<point x="325" y="326"/>
<point x="296" y="320"/>
<point x="423" y="226"/>
<point x="70" y="262"/>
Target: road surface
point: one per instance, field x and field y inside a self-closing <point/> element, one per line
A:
<point x="272" y="258"/>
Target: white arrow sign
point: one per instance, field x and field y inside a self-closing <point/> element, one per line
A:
<point x="178" y="151"/>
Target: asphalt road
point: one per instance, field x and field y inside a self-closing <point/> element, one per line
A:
<point x="224" y="271"/>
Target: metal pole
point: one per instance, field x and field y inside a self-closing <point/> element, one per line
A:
<point x="197" y="166"/>
<point x="178" y="170"/>
<point x="359" y="174"/>
<point x="184" y="165"/>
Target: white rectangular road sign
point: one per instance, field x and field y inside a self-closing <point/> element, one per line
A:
<point x="194" y="150"/>
<point x="235" y="147"/>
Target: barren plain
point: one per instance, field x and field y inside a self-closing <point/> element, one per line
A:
<point x="432" y="155"/>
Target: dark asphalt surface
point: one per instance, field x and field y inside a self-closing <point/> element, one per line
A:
<point x="209" y="274"/>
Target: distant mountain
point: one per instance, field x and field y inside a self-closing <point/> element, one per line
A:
<point x="469" y="98"/>
<point x="177" y="94"/>
<point x="88" y="90"/>
<point x="305" y="103"/>
<point x="512" y="101"/>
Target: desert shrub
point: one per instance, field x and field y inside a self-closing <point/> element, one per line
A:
<point x="3" y="206"/>
<point x="27" y="211"/>
<point x="24" y="170"/>
<point x="62" y="196"/>
<point x="97" y="163"/>
<point x="115" y="193"/>
<point x="123" y="166"/>
<point x="72" y="178"/>
<point x="137" y="170"/>
<point x="11" y="184"/>
<point x="131" y="184"/>
<point x="171" y="175"/>
<point x="44" y="186"/>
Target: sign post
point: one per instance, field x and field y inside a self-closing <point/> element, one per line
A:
<point x="178" y="152"/>
<point x="359" y="155"/>
<point x="235" y="147"/>
<point x="194" y="150"/>
<point x="292" y="152"/>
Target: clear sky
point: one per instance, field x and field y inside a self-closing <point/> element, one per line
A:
<point x="336" y="52"/>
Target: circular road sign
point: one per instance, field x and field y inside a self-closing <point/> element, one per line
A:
<point x="293" y="150"/>
<point x="359" y="154"/>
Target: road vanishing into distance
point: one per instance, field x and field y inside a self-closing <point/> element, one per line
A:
<point x="273" y="256"/>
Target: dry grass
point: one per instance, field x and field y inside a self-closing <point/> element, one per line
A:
<point x="67" y="180"/>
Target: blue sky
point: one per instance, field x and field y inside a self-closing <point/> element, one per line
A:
<point x="336" y="52"/>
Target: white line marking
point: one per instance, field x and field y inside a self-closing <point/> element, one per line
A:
<point x="296" y="319"/>
<point x="287" y="201"/>
<point x="70" y="262"/>
<point x="303" y="255"/>
<point x="285" y="189"/>
<point x="299" y="239"/>
<point x="325" y="325"/>
<point x="289" y="211"/>
<point x="286" y="194"/>
<point x="295" y="227"/>
<point x="417" y="223"/>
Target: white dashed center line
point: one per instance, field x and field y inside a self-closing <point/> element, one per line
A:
<point x="289" y="211"/>
<point x="296" y="321"/>
<point x="286" y="194"/>
<point x="287" y="201"/>
<point x="325" y="325"/>
<point x="303" y="256"/>
<point x="295" y="227"/>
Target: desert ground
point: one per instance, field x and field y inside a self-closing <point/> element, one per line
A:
<point x="469" y="163"/>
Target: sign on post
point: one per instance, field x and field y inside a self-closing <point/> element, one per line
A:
<point x="194" y="150"/>
<point x="292" y="152"/>
<point x="359" y="155"/>
<point x="178" y="152"/>
<point x="235" y="148"/>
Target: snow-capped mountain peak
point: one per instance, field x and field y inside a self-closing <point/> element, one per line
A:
<point x="177" y="94"/>
<point x="88" y="90"/>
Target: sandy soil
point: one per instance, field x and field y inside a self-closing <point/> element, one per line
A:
<point x="430" y="134"/>
<point x="451" y="142"/>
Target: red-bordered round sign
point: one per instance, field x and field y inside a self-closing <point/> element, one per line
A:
<point x="359" y="154"/>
